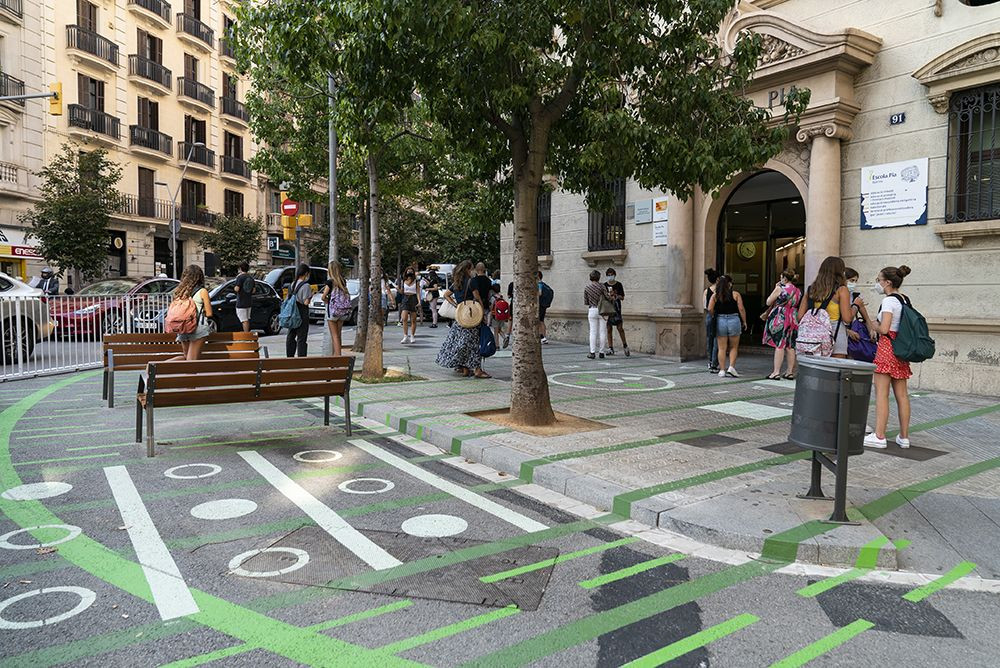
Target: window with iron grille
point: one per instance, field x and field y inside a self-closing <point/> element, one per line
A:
<point x="544" y="221"/>
<point x="606" y="229"/>
<point x="974" y="155"/>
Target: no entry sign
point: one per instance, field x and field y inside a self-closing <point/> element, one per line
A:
<point x="290" y="207"/>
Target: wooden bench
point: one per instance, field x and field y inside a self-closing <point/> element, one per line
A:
<point x="202" y="383"/>
<point x="132" y="352"/>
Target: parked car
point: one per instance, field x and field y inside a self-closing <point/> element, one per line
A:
<point x="317" y="307"/>
<point x="263" y="314"/>
<point x="281" y="278"/>
<point x="109" y="306"/>
<point x="27" y="306"/>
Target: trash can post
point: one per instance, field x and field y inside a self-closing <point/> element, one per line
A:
<point x="840" y="490"/>
<point x="815" y="492"/>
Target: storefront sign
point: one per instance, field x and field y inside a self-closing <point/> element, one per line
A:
<point x="659" y="209"/>
<point x="12" y="244"/>
<point x="894" y="194"/>
<point x="643" y="211"/>
<point x="272" y="243"/>
<point x="660" y="233"/>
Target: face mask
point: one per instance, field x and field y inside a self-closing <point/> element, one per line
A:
<point x="611" y="279"/>
<point x="879" y="289"/>
<point x="852" y="287"/>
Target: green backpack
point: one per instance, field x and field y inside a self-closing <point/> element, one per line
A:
<point x="913" y="341"/>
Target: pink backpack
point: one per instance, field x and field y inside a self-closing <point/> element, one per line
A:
<point x="182" y="317"/>
<point x="815" y="336"/>
<point x="339" y="305"/>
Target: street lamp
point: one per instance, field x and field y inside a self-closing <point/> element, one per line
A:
<point x="174" y="224"/>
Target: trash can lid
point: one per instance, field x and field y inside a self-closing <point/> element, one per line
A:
<point x="835" y="364"/>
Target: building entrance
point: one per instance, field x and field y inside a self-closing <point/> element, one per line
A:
<point x="761" y="233"/>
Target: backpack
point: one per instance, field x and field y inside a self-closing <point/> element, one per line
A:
<point x="182" y="317"/>
<point x="545" y="299"/>
<point x="247" y="287"/>
<point x="816" y="332"/>
<point x="487" y="344"/>
<point x="289" y="316"/>
<point x="502" y="308"/>
<point x="913" y="341"/>
<point x="339" y="305"/>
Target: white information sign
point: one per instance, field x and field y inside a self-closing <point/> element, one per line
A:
<point x="659" y="209"/>
<point x="643" y="211"/>
<point x="660" y="233"/>
<point x="894" y="194"/>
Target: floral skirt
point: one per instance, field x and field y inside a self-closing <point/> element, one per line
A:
<point x="886" y="361"/>
<point x="460" y="348"/>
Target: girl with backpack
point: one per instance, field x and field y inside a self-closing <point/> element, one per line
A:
<point x="188" y="313"/>
<point x="890" y="371"/>
<point x="301" y="292"/>
<point x="781" y="325"/>
<point x="825" y="313"/>
<point x="338" y="305"/>
<point x="730" y="321"/>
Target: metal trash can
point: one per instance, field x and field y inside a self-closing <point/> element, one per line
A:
<point x="816" y="414"/>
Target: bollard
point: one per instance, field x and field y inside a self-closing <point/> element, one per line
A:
<point x="829" y="416"/>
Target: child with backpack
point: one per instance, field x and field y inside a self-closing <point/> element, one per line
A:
<point x="338" y="305"/>
<point x="825" y="314"/>
<point x="545" y="297"/>
<point x="188" y="313"/>
<point x="499" y="316"/>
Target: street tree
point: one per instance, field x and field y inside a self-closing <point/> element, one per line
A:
<point x="586" y="91"/>
<point x="69" y="223"/>
<point x="234" y="239"/>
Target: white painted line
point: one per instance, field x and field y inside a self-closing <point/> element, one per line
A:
<point x="749" y="410"/>
<point x="459" y="492"/>
<point x="323" y="515"/>
<point x="170" y="593"/>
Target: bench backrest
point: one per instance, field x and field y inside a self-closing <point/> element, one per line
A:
<point x="134" y="351"/>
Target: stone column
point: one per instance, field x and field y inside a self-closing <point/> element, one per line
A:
<point x="823" y="205"/>
<point x="680" y="251"/>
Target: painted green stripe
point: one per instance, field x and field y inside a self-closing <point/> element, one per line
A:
<point x="545" y="563"/>
<point x="920" y="593"/>
<point x="697" y="404"/>
<point x="456" y="442"/>
<point x="448" y="631"/>
<point x="615" y="576"/>
<point x="941" y="422"/>
<point x="693" y="642"/>
<point x="824" y="645"/>
<point x="817" y="588"/>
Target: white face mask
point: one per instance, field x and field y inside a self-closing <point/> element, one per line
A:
<point x="852" y="287"/>
<point x="879" y="289"/>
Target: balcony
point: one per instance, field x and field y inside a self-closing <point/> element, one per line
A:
<point x="12" y="10"/>
<point x="150" y="142"/>
<point x="201" y="156"/>
<point x="156" y="10"/>
<point x="237" y="167"/>
<point x="89" y="46"/>
<point x="197" y="94"/>
<point x="226" y="51"/>
<point x="94" y="122"/>
<point x="11" y="86"/>
<point x="234" y="111"/>
<point x="150" y="74"/>
<point x="145" y="207"/>
<point x="195" y="32"/>
<point x="13" y="177"/>
<point x="196" y="215"/>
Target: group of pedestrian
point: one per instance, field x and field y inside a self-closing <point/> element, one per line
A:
<point x="604" y="313"/>
<point x="462" y="347"/>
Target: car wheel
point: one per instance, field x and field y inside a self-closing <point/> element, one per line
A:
<point x="353" y="320"/>
<point x="214" y="326"/>
<point x="18" y="348"/>
<point x="115" y="323"/>
<point x="273" y="324"/>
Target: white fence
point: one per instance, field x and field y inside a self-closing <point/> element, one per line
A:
<point x="43" y="335"/>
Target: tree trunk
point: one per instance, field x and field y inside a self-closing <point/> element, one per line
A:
<point x="373" y="344"/>
<point x="332" y="90"/>
<point x="364" y="294"/>
<point x="529" y="386"/>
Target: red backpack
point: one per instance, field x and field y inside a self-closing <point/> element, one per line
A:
<point x="182" y="317"/>
<point x="502" y="309"/>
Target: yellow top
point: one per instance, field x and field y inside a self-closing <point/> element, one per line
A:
<point x="833" y="308"/>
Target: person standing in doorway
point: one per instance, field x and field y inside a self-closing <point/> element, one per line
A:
<point x="244" y="287"/>
<point x="593" y="293"/>
<point x="295" y="341"/>
<point x="711" y="344"/>
<point x="545" y="297"/>
<point x="410" y="289"/>
<point x="829" y="291"/>
<point x="616" y="292"/>
<point x="890" y="371"/>
<point x="730" y="322"/>
<point x="338" y="305"/>
<point x="781" y="325"/>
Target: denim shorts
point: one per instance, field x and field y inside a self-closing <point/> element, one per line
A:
<point x="728" y="324"/>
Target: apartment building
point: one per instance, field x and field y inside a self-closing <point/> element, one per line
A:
<point x="155" y="85"/>
<point x="21" y="130"/>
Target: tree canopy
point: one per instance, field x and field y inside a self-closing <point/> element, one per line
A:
<point x="234" y="239"/>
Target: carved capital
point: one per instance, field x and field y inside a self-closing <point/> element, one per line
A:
<point x="940" y="102"/>
<point x="833" y="130"/>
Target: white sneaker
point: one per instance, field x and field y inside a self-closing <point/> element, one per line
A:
<point x="545" y="340"/>
<point x="405" y="339"/>
<point x="722" y="374"/>
<point x="902" y="442"/>
<point x="868" y="429"/>
<point x="873" y="441"/>
<point x="731" y="371"/>
<point x="413" y="339"/>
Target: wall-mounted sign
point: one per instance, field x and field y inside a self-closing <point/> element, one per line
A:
<point x="630" y="212"/>
<point x="660" y="233"/>
<point x="897" y="119"/>
<point x="643" y="211"/>
<point x="272" y="243"/>
<point x="894" y="194"/>
<point x="659" y="209"/>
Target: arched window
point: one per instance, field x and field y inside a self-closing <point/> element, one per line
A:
<point x="974" y="155"/>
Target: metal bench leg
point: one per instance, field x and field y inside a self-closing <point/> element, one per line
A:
<point x="104" y="389"/>
<point x="150" y="440"/>
<point x="326" y="410"/>
<point x="347" y="411"/>
<point x="138" y="421"/>
<point x="111" y="388"/>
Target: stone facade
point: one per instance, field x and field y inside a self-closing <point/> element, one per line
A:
<point x="862" y="65"/>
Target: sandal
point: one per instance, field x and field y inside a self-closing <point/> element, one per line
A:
<point x="481" y="374"/>
<point x="774" y="376"/>
<point x="789" y="376"/>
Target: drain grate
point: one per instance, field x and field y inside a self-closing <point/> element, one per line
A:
<point x="327" y="563"/>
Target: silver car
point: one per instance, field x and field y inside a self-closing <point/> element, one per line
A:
<point x="24" y="319"/>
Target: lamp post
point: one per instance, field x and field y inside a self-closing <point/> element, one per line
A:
<point x="173" y="206"/>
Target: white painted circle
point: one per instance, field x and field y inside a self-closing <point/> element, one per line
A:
<point x="223" y="509"/>
<point x="71" y="533"/>
<point x="434" y="526"/>
<point x="213" y="469"/>
<point x="301" y="456"/>
<point x="631" y="377"/>
<point x="605" y="379"/>
<point x="301" y="559"/>
<point x="346" y="486"/>
<point x="609" y="380"/>
<point x="87" y="598"/>
<point x="36" y="490"/>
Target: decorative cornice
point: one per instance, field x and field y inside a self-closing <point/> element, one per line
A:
<point x="954" y="235"/>
<point x="972" y="63"/>
<point x="776" y="49"/>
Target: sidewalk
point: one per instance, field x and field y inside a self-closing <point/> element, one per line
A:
<point x="708" y="457"/>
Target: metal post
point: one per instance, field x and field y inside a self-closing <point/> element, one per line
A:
<point x="173" y="207"/>
<point x="843" y="419"/>
<point x="332" y="91"/>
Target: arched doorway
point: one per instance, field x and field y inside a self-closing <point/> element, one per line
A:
<point x="762" y="231"/>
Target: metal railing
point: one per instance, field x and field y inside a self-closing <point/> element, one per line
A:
<point x="973" y="167"/>
<point x="61" y="333"/>
<point x="225" y="50"/>
<point x="233" y="107"/>
<point x="12" y="6"/>
<point x="8" y="172"/>
<point x="544" y="223"/>
<point x="237" y="166"/>
<point x="191" y="26"/>
<point x="94" y="120"/>
<point x="158" y="7"/>
<point x="151" y="139"/>
<point x="201" y="155"/>
<point x="196" y="215"/>
<point x="606" y="229"/>
<point x="141" y="66"/>
<point x="145" y="207"/>
<point x="91" y="42"/>
<point x="11" y="86"/>
<point x="196" y="91"/>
